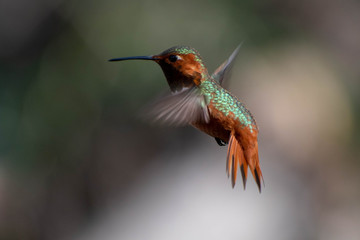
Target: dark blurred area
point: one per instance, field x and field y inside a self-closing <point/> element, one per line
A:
<point x="76" y="162"/>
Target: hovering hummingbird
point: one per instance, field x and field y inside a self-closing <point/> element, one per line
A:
<point x="199" y="99"/>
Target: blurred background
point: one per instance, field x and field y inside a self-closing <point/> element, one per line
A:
<point x="76" y="162"/>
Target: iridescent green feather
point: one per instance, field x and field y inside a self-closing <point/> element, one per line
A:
<point x="227" y="103"/>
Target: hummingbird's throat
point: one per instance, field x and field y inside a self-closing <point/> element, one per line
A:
<point x="187" y="71"/>
<point x="177" y="80"/>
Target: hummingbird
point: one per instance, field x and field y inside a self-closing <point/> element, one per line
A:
<point x="199" y="99"/>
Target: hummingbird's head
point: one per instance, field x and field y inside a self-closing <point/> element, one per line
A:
<point x="182" y="66"/>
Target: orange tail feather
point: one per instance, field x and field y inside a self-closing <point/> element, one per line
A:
<point x="237" y="157"/>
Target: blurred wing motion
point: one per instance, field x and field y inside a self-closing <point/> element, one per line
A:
<point x="237" y="157"/>
<point x="223" y="71"/>
<point x="181" y="108"/>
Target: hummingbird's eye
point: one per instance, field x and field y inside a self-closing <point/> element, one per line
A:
<point x="173" y="58"/>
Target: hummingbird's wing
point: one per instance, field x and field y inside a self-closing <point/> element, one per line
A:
<point x="180" y="108"/>
<point x="223" y="71"/>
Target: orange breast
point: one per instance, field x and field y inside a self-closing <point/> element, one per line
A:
<point x="219" y="125"/>
<point x="214" y="128"/>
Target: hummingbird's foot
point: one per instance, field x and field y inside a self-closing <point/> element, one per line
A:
<point x="220" y="142"/>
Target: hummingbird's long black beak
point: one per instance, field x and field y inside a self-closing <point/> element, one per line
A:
<point x="134" y="58"/>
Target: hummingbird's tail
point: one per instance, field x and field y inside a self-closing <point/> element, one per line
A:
<point x="237" y="157"/>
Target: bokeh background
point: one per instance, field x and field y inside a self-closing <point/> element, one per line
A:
<point x="76" y="162"/>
